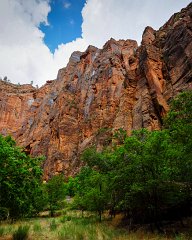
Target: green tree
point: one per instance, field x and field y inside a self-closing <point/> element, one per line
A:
<point x="72" y="186"/>
<point x="147" y="175"/>
<point x="20" y="180"/>
<point x="55" y="189"/>
<point x="96" y="160"/>
<point x="92" y="194"/>
<point x="179" y="123"/>
<point x="180" y="111"/>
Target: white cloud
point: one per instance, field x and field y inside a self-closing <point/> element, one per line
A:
<point x="23" y="55"/>
<point x="124" y="19"/>
<point x="67" y="5"/>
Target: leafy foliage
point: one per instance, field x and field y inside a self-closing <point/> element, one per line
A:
<point x="55" y="189"/>
<point x="147" y="175"/>
<point x="92" y="192"/>
<point x="20" y="180"/>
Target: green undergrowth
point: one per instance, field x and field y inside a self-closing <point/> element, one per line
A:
<point x="72" y="226"/>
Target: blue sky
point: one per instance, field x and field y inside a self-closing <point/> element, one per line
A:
<point x="33" y="51"/>
<point x="64" y="20"/>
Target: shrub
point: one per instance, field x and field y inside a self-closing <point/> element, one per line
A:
<point x="2" y="231"/>
<point x="22" y="233"/>
<point x="53" y="225"/>
<point x="65" y="219"/>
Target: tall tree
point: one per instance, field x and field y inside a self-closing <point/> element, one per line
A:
<point x="55" y="189"/>
<point x="92" y="193"/>
<point x="20" y="179"/>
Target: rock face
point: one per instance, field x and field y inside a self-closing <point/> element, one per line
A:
<point x="100" y="90"/>
<point x="15" y="104"/>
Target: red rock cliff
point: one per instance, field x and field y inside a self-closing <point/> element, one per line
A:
<point x="100" y="90"/>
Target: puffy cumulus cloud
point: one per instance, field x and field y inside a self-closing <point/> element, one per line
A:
<point x="124" y="19"/>
<point x="25" y="57"/>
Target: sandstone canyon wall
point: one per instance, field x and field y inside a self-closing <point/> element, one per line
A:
<point x="122" y="85"/>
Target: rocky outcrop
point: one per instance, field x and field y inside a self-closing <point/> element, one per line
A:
<point x="15" y="103"/>
<point x="100" y="91"/>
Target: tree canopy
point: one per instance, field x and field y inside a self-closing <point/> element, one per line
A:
<point x="20" y="180"/>
<point x="147" y="175"/>
<point x="55" y="192"/>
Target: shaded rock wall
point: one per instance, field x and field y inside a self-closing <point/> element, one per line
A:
<point x="100" y="90"/>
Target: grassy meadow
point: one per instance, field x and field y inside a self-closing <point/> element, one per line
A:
<point x="72" y="226"/>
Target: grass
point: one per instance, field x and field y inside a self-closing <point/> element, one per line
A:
<point x="86" y="228"/>
<point x="2" y="231"/>
<point x="53" y="225"/>
<point x="65" y="219"/>
<point x="37" y="227"/>
<point x="72" y="226"/>
<point x="21" y="233"/>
